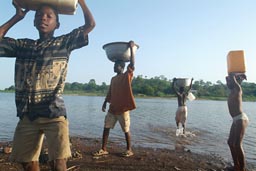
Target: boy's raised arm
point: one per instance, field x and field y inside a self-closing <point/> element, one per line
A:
<point x="173" y="86"/>
<point x="20" y="14"/>
<point x="190" y="86"/>
<point x="132" y="60"/>
<point x="88" y="18"/>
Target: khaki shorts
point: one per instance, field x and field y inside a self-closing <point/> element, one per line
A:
<point x="29" y="135"/>
<point x="123" y="119"/>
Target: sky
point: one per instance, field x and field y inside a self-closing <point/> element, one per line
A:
<point x="177" y="38"/>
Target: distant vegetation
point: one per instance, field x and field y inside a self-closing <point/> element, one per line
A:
<point x="159" y="86"/>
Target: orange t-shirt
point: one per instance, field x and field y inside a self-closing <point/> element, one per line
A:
<point x="120" y="95"/>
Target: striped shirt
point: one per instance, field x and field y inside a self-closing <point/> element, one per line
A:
<point x="40" y="72"/>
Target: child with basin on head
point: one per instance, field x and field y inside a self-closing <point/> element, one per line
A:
<point x="121" y="99"/>
<point x="240" y="120"/>
<point x="181" y="113"/>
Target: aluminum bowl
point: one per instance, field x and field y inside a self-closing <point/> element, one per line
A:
<point x="119" y="51"/>
<point x="183" y="82"/>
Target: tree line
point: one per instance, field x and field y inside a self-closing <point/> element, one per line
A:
<point x="160" y="86"/>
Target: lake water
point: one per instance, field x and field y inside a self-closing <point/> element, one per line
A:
<point x="152" y="124"/>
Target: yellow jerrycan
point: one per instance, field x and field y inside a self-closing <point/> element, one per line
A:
<point x="236" y="62"/>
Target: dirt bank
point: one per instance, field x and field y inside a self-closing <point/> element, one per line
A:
<point x="145" y="159"/>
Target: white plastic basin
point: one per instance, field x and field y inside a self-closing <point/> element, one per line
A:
<point x="119" y="51"/>
<point x="63" y="6"/>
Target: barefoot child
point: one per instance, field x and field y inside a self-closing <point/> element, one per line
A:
<point x="121" y="101"/>
<point x="240" y="120"/>
<point x="40" y="72"/>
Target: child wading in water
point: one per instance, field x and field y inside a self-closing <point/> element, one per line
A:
<point x="181" y="113"/>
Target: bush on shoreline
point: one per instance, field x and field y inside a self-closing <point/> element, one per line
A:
<point x="158" y="87"/>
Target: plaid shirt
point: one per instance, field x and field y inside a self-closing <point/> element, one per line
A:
<point x="40" y="72"/>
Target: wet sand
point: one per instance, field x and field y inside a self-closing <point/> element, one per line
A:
<point x="144" y="159"/>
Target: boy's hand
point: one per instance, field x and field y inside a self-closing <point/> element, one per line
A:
<point x="241" y="77"/>
<point x="131" y="43"/>
<point x="104" y="106"/>
<point x="19" y="11"/>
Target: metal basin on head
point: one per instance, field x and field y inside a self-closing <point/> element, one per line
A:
<point x="183" y="82"/>
<point x="119" y="51"/>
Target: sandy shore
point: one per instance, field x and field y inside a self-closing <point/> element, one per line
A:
<point x="145" y="159"/>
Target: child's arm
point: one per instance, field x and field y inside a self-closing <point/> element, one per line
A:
<point x="104" y="106"/>
<point x="190" y="87"/>
<point x="132" y="60"/>
<point x="236" y="84"/>
<point x="88" y="18"/>
<point x="173" y="86"/>
<point x="107" y="99"/>
<point x="20" y="14"/>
